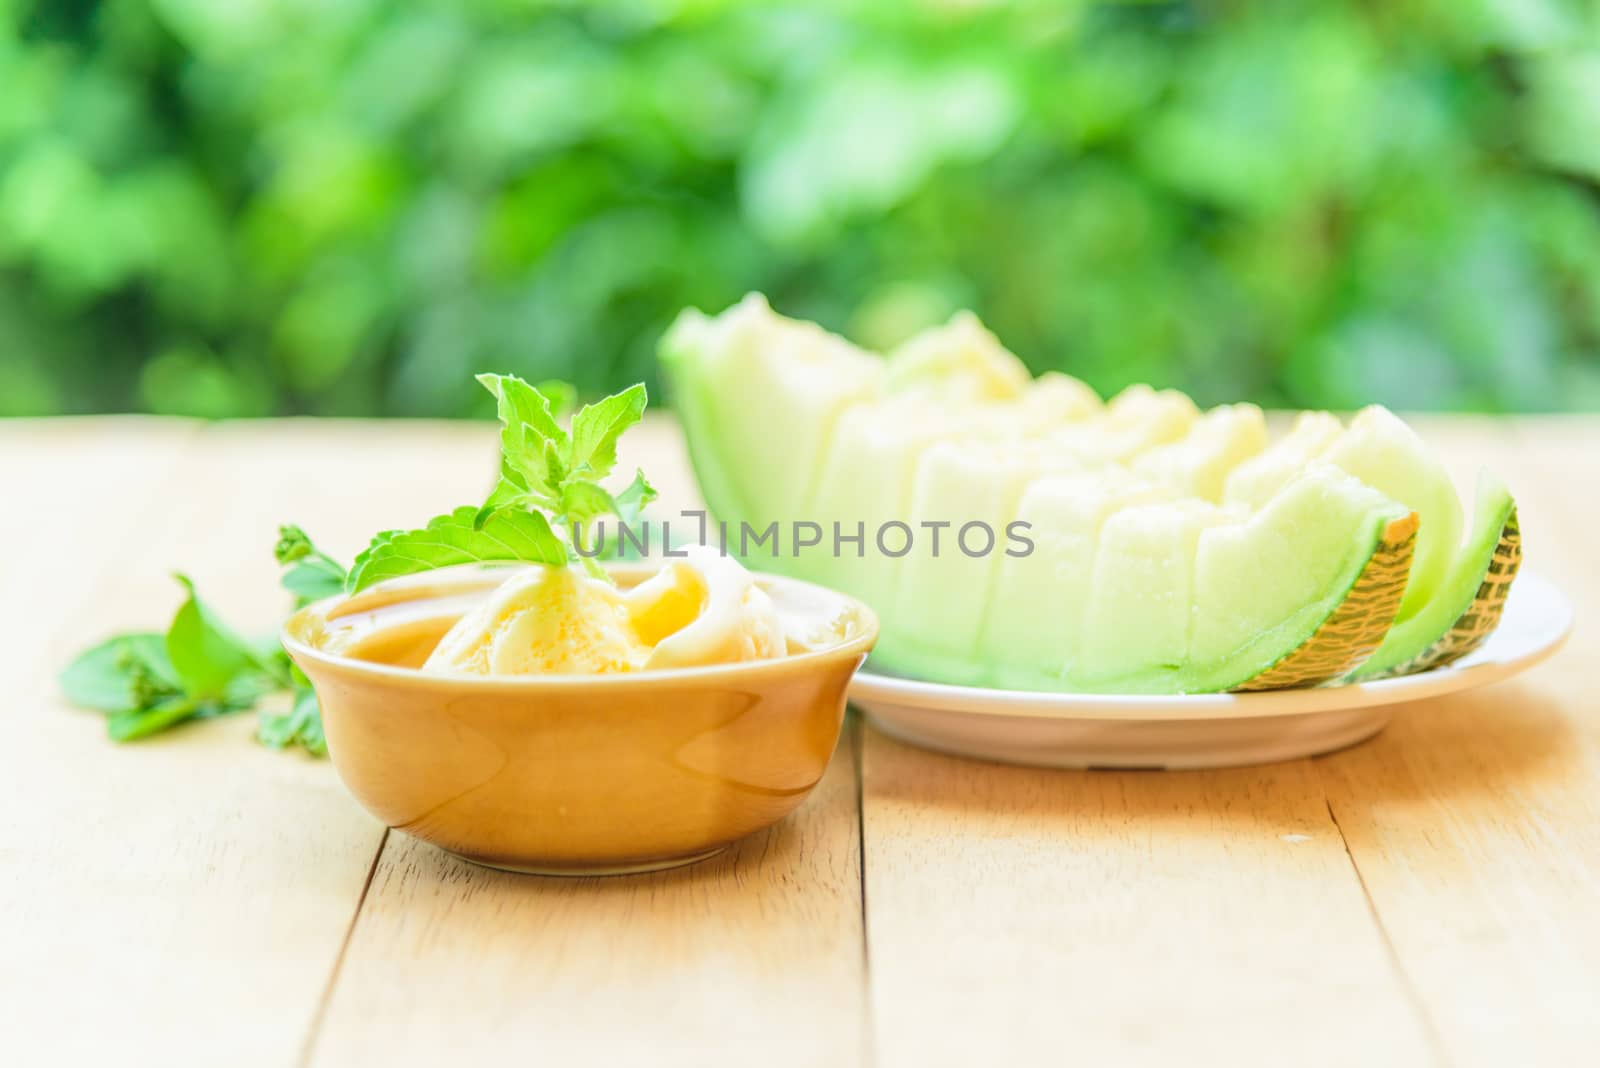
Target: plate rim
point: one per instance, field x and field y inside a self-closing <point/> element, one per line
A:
<point x="868" y="688"/>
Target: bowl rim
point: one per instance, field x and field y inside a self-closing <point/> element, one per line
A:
<point x="857" y="647"/>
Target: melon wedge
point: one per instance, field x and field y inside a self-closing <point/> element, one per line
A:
<point x="961" y="359"/>
<point x="1467" y="606"/>
<point x="1200" y="462"/>
<point x="964" y="494"/>
<point x="1382" y="451"/>
<point x="1175" y="550"/>
<point x="1064" y="516"/>
<point x="758" y="395"/>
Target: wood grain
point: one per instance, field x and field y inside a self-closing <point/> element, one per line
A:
<point x="1024" y="916"/>
<point x="179" y="901"/>
<point x="752" y="957"/>
<point x="1475" y="819"/>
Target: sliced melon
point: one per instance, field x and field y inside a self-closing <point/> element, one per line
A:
<point x="1466" y="607"/>
<point x="1173" y="552"/>
<point x="1135" y="420"/>
<point x="1063" y="517"/>
<point x="1135" y="636"/>
<point x="962" y="359"/>
<point x="1260" y="476"/>
<point x="1304" y="589"/>
<point x="869" y="469"/>
<point x="1382" y="451"/>
<point x="943" y="591"/>
<point x="1198" y="463"/>
<point x="758" y="395"/>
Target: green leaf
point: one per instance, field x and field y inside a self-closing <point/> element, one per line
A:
<point x="135" y="723"/>
<point x="631" y="502"/>
<point x="300" y="725"/>
<point x="582" y="501"/>
<point x="510" y="534"/>
<point x="104" y="677"/>
<point x="312" y="580"/>
<point x="206" y="655"/>
<point x="528" y="425"/>
<point x="293" y="544"/>
<point x="596" y="428"/>
<point x="314" y="574"/>
<point x="628" y="506"/>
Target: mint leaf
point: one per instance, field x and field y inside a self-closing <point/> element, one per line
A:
<point x="135" y="723"/>
<point x="206" y="655"/>
<point x="118" y="674"/>
<point x="527" y="425"/>
<point x="596" y="428"/>
<point x="631" y="502"/>
<point x="313" y="574"/>
<point x="582" y="501"/>
<point x="506" y="535"/>
<point x="312" y="581"/>
<point x="300" y="725"/>
<point x="293" y="544"/>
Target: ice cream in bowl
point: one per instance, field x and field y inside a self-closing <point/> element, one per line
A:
<point x="487" y="687"/>
<point x="542" y="720"/>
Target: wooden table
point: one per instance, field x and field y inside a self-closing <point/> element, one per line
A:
<point x="1431" y="897"/>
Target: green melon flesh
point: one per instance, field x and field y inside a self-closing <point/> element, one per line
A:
<point x="1141" y="599"/>
<point x="1135" y="420"/>
<point x="1410" y="638"/>
<point x="961" y="360"/>
<point x="758" y="396"/>
<point x="1264" y="585"/>
<point x="1175" y="551"/>
<point x="1065" y="514"/>
<point x="940" y="601"/>
<point x="1386" y="454"/>
<point x="1199" y="462"/>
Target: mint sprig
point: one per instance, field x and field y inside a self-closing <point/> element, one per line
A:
<point x="549" y="491"/>
<point x="200" y="667"/>
<point x="146" y="683"/>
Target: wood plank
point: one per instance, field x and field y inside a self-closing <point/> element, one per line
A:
<point x="183" y="900"/>
<point x="70" y="491"/>
<point x="752" y="957"/>
<point x="1030" y="916"/>
<point x="1475" y="819"/>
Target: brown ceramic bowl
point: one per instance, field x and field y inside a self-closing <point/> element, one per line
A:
<point x="575" y="775"/>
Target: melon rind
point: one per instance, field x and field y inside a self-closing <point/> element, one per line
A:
<point x="1481" y="616"/>
<point x="1353" y="630"/>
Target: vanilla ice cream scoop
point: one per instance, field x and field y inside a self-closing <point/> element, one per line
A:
<point x="702" y="609"/>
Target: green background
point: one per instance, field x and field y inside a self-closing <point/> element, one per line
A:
<point x="244" y="207"/>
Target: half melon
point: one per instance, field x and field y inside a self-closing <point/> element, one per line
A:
<point x="1174" y="550"/>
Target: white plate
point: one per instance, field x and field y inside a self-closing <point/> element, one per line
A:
<point x="1074" y="730"/>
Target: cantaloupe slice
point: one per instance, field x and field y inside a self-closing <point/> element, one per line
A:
<point x="1291" y="561"/>
<point x="1134" y="421"/>
<point x="943" y="592"/>
<point x="1141" y="599"/>
<point x="758" y="395"/>
<point x="1467" y="606"/>
<point x="1304" y="589"/>
<point x="1382" y="451"/>
<point x="1064" y="515"/>
<point x="1262" y="475"/>
<point x="961" y="359"/>
<point x="1198" y="463"/>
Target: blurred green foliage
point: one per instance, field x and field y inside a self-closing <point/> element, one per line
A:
<point x="232" y="207"/>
